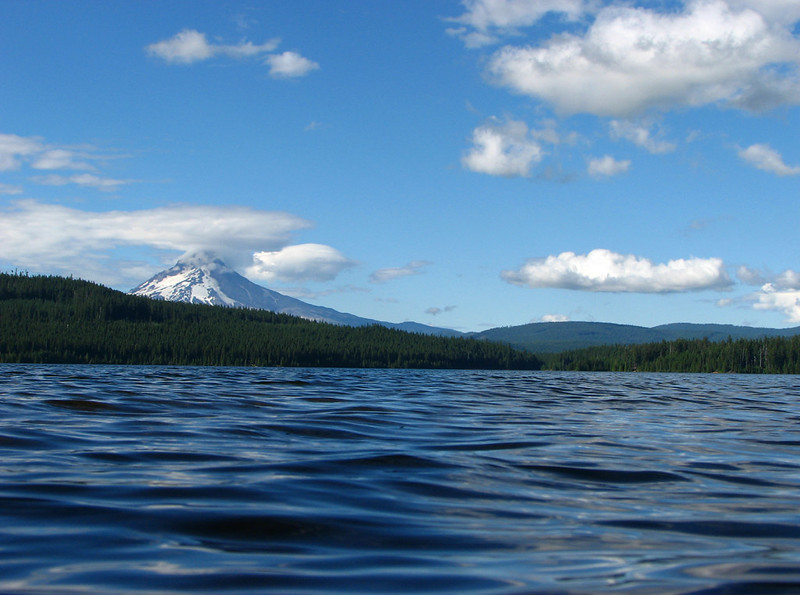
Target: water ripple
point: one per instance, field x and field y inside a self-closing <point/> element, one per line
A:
<point x="175" y="480"/>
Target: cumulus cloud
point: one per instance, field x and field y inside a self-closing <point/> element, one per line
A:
<point x="290" y="65"/>
<point x="768" y="159"/>
<point x="190" y="46"/>
<point x="603" y="270"/>
<point x="781" y="299"/>
<point x="486" y="20"/>
<point x="302" y="262"/>
<point x="608" y="166"/>
<point x="184" y="48"/>
<point x="639" y="136"/>
<point x="631" y="59"/>
<point x="59" y="239"/>
<point x="779" y="292"/>
<point x="503" y="149"/>
<point x="390" y="274"/>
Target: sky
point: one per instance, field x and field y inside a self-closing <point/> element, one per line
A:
<point x="464" y="164"/>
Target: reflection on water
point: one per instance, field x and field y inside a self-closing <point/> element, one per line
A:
<point x="157" y="479"/>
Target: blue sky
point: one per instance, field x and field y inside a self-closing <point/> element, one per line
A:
<point x="463" y="164"/>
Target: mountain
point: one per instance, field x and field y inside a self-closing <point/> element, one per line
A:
<point x="203" y="279"/>
<point x="554" y="337"/>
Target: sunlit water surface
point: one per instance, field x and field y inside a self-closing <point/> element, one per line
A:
<point x="166" y="479"/>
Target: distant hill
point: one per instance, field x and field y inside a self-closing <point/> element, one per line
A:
<point x="554" y="337"/>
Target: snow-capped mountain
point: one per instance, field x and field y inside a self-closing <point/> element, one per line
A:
<point x="203" y="279"/>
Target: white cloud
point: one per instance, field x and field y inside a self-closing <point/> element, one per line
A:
<point x="788" y="279"/>
<point x="58" y="239"/>
<point x="10" y="189"/>
<point x="506" y="150"/>
<point x="485" y="20"/>
<point x="631" y="59"/>
<point x="554" y="318"/>
<point x="779" y="292"/>
<point x="85" y="180"/>
<point x="750" y="276"/>
<point x="548" y="133"/>
<point x="768" y="159"/>
<point x="290" y="65"/>
<point x="13" y="148"/>
<point x="639" y="136"/>
<point x="248" y="49"/>
<point x="17" y="151"/>
<point x="784" y="12"/>
<point x="472" y="39"/>
<point x="389" y="274"/>
<point x="785" y="300"/>
<point x="511" y="14"/>
<point x="603" y="270"/>
<point x="60" y="159"/>
<point x="302" y="262"/>
<point x="608" y="166"/>
<point x="186" y="47"/>
<point x="190" y="46"/>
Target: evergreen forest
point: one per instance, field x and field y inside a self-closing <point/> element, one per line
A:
<point x="767" y="355"/>
<point x="49" y="319"/>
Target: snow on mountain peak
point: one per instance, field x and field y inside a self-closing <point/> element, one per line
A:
<point x="192" y="279"/>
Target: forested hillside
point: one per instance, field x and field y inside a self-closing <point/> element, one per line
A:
<point x="767" y="355"/>
<point x="57" y="320"/>
<point x="557" y="337"/>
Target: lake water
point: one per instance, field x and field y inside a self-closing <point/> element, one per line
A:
<point x="169" y="479"/>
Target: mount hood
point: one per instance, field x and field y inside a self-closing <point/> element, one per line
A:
<point x="204" y="279"/>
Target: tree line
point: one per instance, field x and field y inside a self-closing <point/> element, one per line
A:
<point x="50" y="319"/>
<point x="767" y="355"/>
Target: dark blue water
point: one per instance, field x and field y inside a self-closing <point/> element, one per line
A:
<point x="159" y="479"/>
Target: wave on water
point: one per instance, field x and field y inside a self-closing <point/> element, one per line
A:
<point x="175" y="480"/>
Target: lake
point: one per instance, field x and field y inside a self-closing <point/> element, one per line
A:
<point x="183" y="480"/>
